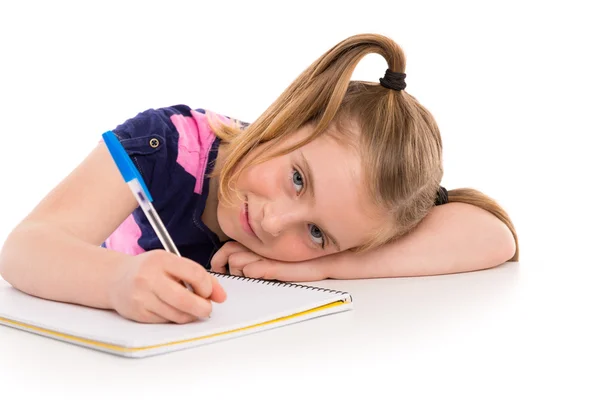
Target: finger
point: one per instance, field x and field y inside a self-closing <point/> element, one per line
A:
<point x="181" y="299"/>
<point x="238" y="261"/>
<point x="192" y="273"/>
<point x="218" y="294"/>
<point x="287" y="272"/>
<point x="165" y="311"/>
<point x="219" y="268"/>
<point x="219" y="261"/>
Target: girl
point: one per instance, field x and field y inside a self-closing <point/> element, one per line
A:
<point x="336" y="179"/>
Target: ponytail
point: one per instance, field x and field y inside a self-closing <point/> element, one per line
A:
<point x="313" y="97"/>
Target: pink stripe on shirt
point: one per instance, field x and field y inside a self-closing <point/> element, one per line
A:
<point x="195" y="140"/>
<point x="125" y="238"/>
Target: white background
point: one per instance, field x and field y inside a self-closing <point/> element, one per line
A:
<point x="513" y="86"/>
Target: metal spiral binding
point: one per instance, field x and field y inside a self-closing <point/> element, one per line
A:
<point x="277" y="283"/>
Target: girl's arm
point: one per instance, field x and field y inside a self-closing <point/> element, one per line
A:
<point x="55" y="251"/>
<point x="454" y="237"/>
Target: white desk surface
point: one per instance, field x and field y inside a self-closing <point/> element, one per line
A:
<point x="517" y="331"/>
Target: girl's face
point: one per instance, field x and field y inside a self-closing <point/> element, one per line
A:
<point x="302" y="205"/>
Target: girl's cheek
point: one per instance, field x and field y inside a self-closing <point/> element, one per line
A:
<point x="264" y="183"/>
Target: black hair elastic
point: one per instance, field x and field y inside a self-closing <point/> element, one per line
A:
<point x="442" y="196"/>
<point x="393" y="80"/>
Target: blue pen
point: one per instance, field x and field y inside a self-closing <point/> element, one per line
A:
<point x="140" y="192"/>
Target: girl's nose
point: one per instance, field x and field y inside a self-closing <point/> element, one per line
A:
<point x="279" y="216"/>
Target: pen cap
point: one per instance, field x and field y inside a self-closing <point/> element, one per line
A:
<point x="123" y="161"/>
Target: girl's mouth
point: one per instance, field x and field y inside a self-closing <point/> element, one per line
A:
<point x="245" y="220"/>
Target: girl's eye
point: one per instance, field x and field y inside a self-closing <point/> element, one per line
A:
<point x="316" y="235"/>
<point x="297" y="180"/>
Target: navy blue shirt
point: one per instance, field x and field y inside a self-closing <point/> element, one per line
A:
<point x="174" y="149"/>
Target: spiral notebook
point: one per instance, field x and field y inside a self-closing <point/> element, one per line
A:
<point x="252" y="305"/>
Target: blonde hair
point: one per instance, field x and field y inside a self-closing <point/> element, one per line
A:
<point x="399" y="141"/>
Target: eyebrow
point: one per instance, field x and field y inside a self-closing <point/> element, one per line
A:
<point x="311" y="191"/>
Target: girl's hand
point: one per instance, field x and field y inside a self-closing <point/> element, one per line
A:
<point x="148" y="289"/>
<point x="244" y="262"/>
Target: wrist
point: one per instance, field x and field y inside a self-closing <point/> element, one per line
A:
<point x="116" y="271"/>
